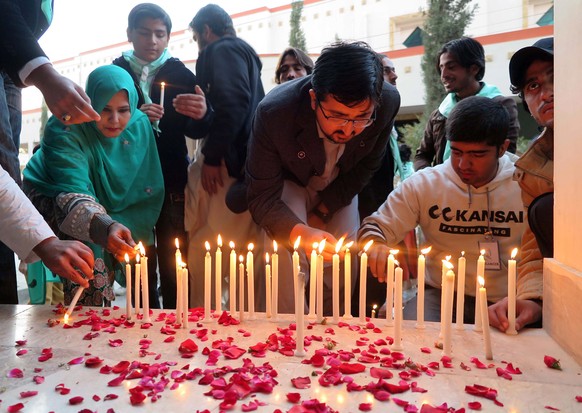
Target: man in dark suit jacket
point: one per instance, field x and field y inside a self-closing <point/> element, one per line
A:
<point x="316" y="141"/>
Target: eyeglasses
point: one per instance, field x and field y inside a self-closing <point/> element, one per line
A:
<point x="341" y="122"/>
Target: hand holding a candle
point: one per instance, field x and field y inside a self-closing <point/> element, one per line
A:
<point x="310" y="235"/>
<point x="527" y="311"/>
<point x="120" y="242"/>
<point x="192" y="105"/>
<point x="377" y="260"/>
<point x="154" y="111"/>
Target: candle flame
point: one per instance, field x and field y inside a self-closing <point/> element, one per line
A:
<point x="513" y="253"/>
<point x="297" y="242"/>
<point x="483" y="252"/>
<point x="177" y="241"/>
<point x="275" y="246"/>
<point x="481" y="281"/>
<point x="219" y="241"/>
<point x="462" y="253"/>
<point x="394" y="252"/>
<point x="183" y="265"/>
<point x="137" y="258"/>
<point x="448" y="257"/>
<point x="368" y="245"/>
<point x="126" y="258"/>
<point x="251" y="246"/>
<point x="163" y="84"/>
<point x="349" y="245"/>
<point x="448" y="264"/>
<point x="231" y="245"/>
<point x="397" y="263"/>
<point x="267" y="257"/>
<point x="141" y="248"/>
<point x="66" y="318"/>
<point x="375" y="306"/>
<point x="241" y="259"/>
<point x="207" y="245"/>
<point x="338" y="246"/>
<point x="315" y="244"/>
<point x="321" y="246"/>
<point x="426" y="250"/>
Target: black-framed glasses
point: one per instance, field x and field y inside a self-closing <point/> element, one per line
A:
<point x="341" y="122"/>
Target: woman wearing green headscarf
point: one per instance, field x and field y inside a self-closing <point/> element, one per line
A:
<point x="100" y="182"/>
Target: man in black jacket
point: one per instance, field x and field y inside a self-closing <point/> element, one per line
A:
<point x="180" y="110"/>
<point x="229" y="72"/>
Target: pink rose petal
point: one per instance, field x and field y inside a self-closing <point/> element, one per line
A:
<point x="15" y="374"/>
<point x="30" y="393"/>
<point x="15" y="408"/>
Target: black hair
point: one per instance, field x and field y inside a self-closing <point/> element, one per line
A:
<point x="350" y="72"/>
<point x="302" y="58"/>
<point x="148" y="11"/>
<point x="480" y="120"/>
<point x="467" y="52"/>
<point x="215" y="18"/>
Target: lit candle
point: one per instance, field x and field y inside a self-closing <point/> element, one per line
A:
<point x="312" y="280"/>
<point x="335" y="281"/>
<point x="232" y="282"/>
<point x="207" y="281"/>
<point x="241" y="289"/>
<point x="162" y="92"/>
<point x="268" y="285"/>
<point x="485" y="319"/>
<point x="374" y="307"/>
<point x="511" y="293"/>
<point x="275" y="277"/>
<point x="145" y="286"/>
<point x="73" y="303"/>
<point x="480" y="273"/>
<point x="179" y="273"/>
<point x="185" y="296"/>
<point x="461" y="291"/>
<point x="299" y="316"/>
<point x="390" y="288"/>
<point x="218" y="275"/>
<point x="319" y="312"/>
<point x="363" y="273"/>
<point x="295" y="265"/>
<point x="448" y="287"/>
<point x="137" y="289"/>
<point x="420" y="286"/>
<point x="127" y="288"/>
<point x="251" y="281"/>
<point x="348" y="281"/>
<point x="397" y="345"/>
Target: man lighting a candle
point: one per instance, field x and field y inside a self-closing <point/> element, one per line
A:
<point x="315" y="143"/>
<point x="468" y="203"/>
<point x="176" y="107"/>
<point x="531" y="72"/>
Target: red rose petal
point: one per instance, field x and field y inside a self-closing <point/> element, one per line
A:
<point x="474" y="405"/>
<point x="301" y="382"/>
<point x="188" y="346"/>
<point x="351" y="368"/>
<point x="293" y="397"/>
<point x="552" y="363"/>
<point x="380" y="373"/>
<point x="29" y="393"/>
<point x="75" y="400"/>
<point x="15" y="374"/>
<point x="21" y="352"/>
<point x="93" y="362"/>
<point x="579" y="399"/>
<point x="77" y="360"/>
<point x="365" y="407"/>
<point x="15" y="408"/>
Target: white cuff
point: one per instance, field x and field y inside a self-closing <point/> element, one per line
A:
<point x="31" y="66"/>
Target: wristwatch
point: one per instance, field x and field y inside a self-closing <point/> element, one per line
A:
<point x="324" y="216"/>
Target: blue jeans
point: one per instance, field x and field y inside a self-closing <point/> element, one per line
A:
<point x="10" y="123"/>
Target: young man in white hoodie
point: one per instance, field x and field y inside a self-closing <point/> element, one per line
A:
<point x="468" y="203"/>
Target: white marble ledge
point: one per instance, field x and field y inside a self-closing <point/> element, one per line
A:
<point x="531" y="391"/>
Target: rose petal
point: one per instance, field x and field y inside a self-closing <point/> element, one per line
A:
<point x="474" y="405"/>
<point x="188" y="346"/>
<point x="293" y="397"/>
<point x="365" y="407"/>
<point x="552" y="363"/>
<point x="15" y="408"/>
<point x="75" y="400"/>
<point x="301" y="382"/>
<point x="15" y="374"/>
<point x="29" y="393"/>
<point x="77" y="360"/>
<point x="351" y="368"/>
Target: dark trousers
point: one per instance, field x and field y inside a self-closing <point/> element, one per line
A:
<point x="9" y="290"/>
<point x="170" y="226"/>
<point x="540" y="217"/>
